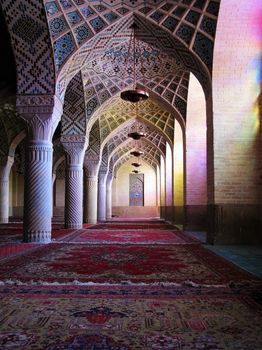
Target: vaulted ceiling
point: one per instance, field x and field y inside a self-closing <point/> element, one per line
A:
<point x="90" y="66"/>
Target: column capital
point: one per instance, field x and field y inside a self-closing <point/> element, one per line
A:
<point x="102" y="175"/>
<point x="74" y="147"/>
<point x="41" y="113"/>
<point x="91" y="166"/>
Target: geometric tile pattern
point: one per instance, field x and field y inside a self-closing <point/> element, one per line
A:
<point x="181" y="19"/>
<point x="104" y="161"/>
<point x="73" y="118"/>
<point x="122" y="136"/>
<point x="149" y="112"/>
<point x="150" y="152"/>
<point x="93" y="149"/>
<point x="119" y="35"/>
<point x="26" y="21"/>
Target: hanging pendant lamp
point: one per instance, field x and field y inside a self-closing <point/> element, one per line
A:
<point x="137" y="153"/>
<point x="136" y="164"/>
<point x="134" y="95"/>
<point x="136" y="135"/>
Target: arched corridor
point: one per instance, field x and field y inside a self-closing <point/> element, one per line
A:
<point x="128" y="205"/>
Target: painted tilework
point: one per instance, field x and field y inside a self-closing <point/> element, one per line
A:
<point x="74" y="118"/>
<point x="27" y="25"/>
<point x="204" y="48"/>
<point x="57" y="26"/>
<point x="209" y="26"/>
<point x="74" y="17"/>
<point x="51" y="8"/>
<point x="82" y="33"/>
<point x="66" y="4"/>
<point x="63" y="47"/>
<point x="97" y="24"/>
<point x="170" y="23"/>
<point x="87" y="11"/>
<point x="111" y="17"/>
<point x="185" y="33"/>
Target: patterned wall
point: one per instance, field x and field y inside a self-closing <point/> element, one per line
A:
<point x="74" y="118"/>
<point x="26" y="21"/>
<point x="93" y="150"/>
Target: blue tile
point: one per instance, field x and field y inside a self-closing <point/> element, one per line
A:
<point x="74" y="17"/>
<point x="63" y="47"/>
<point x="97" y="23"/>
<point x="83" y="33"/>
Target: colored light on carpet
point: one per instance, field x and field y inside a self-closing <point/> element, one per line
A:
<point x="190" y="322"/>
<point x="65" y="263"/>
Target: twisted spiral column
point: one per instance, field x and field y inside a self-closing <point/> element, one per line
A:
<point x="101" y="197"/>
<point x="74" y="197"/>
<point x="42" y="114"/>
<point x="38" y="192"/>
<point x="4" y="190"/>
<point x="74" y="146"/>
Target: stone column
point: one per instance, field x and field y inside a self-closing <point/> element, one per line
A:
<point x="74" y="147"/>
<point x="102" y="196"/>
<point x="109" y="196"/>
<point x="91" y="169"/>
<point x="42" y="114"/>
<point x="5" y="167"/>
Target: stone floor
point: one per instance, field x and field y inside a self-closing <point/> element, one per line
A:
<point x="248" y="257"/>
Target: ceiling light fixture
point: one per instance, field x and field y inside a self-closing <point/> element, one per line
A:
<point x="134" y="95"/>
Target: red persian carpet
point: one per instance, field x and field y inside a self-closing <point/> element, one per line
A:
<point x="64" y="263"/>
<point x="95" y="236"/>
<point x="133" y="226"/>
<point x="124" y="286"/>
<point x="127" y="318"/>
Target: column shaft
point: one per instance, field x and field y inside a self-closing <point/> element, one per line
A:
<point x="4" y="189"/>
<point x="109" y="200"/>
<point x="38" y="192"/>
<point x="102" y="198"/>
<point x="91" y="197"/>
<point x="74" y="197"/>
<point x="4" y="200"/>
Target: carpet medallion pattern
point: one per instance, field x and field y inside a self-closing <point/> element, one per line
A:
<point x="94" y="236"/>
<point x="63" y="263"/>
<point x="124" y="286"/>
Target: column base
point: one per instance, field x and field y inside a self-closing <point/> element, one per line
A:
<point x="91" y="221"/>
<point x="73" y="225"/>
<point x="37" y="237"/>
<point x="4" y="220"/>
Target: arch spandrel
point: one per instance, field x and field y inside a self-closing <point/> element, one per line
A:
<point x="31" y="44"/>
